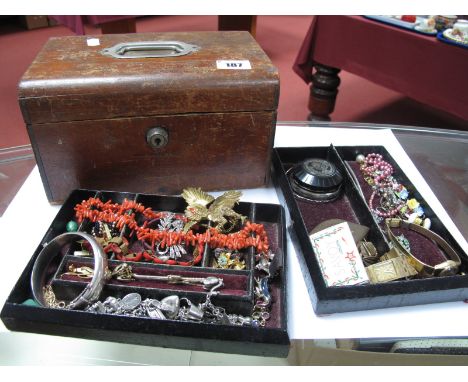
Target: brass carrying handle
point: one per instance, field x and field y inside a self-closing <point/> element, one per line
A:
<point x="150" y="49"/>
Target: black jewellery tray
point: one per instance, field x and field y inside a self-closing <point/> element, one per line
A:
<point x="302" y="216"/>
<point x="237" y="295"/>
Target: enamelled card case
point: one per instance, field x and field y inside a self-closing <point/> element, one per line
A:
<point x="151" y="113"/>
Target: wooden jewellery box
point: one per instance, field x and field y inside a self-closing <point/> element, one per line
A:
<point x="151" y="112"/>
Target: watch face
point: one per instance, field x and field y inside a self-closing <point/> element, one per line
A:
<point x="319" y="167"/>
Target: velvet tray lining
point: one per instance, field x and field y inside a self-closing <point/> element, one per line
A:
<point x="313" y="213"/>
<point x="236" y="283"/>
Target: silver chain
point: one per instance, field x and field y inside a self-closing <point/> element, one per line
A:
<point x="182" y="309"/>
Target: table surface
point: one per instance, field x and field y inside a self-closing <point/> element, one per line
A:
<point x="303" y="324"/>
<point x="416" y="65"/>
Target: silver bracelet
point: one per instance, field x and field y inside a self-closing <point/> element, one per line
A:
<point x="44" y="295"/>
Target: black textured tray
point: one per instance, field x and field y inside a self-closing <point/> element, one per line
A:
<point x="272" y="340"/>
<point x="327" y="300"/>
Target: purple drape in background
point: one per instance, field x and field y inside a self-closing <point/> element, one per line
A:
<point x="77" y="23"/>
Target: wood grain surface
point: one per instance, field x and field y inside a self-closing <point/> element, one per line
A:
<point x="70" y="81"/>
<point x="88" y="115"/>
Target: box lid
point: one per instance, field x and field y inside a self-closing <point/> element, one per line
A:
<point x="70" y="80"/>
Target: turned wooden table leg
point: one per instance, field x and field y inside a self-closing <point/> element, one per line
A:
<point x="323" y="91"/>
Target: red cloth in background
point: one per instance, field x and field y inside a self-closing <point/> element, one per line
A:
<point x="418" y="66"/>
<point x="76" y="23"/>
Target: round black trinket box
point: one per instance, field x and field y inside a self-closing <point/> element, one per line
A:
<point x="316" y="180"/>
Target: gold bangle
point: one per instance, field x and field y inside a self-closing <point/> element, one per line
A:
<point x="446" y="268"/>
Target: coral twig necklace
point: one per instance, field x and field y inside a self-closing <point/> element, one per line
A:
<point x="124" y="214"/>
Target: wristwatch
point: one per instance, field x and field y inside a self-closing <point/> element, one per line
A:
<point x="445" y="268"/>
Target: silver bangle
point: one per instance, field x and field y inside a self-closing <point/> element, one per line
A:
<point x="92" y="291"/>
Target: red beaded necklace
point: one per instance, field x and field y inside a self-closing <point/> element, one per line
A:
<point x="124" y="214"/>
